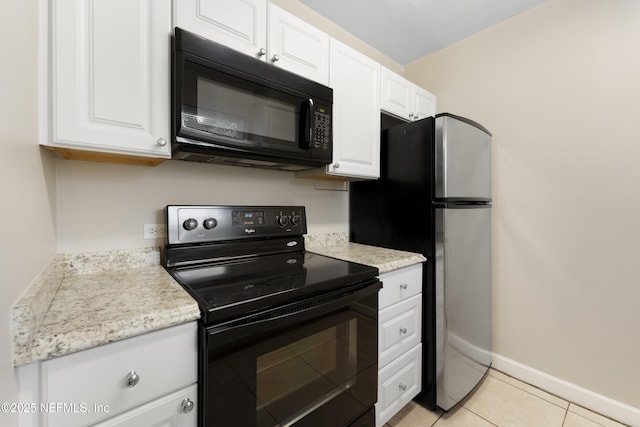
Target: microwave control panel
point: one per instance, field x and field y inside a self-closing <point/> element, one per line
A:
<point x="321" y="129"/>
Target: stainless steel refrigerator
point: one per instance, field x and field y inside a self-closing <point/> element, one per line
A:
<point x="434" y="197"/>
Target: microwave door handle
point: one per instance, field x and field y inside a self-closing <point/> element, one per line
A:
<point x="306" y="126"/>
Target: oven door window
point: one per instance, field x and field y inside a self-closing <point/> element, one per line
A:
<point x="239" y="113"/>
<point x="321" y="371"/>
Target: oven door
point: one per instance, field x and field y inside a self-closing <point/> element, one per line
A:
<point x="310" y="363"/>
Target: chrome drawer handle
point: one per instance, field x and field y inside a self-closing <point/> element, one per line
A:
<point x="187" y="405"/>
<point x="132" y="379"/>
<point x="403" y="330"/>
<point x="402" y="387"/>
<point x="403" y="286"/>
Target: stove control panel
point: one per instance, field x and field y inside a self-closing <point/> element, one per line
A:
<point x="197" y="224"/>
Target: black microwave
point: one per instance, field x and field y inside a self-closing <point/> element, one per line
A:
<point x="231" y="108"/>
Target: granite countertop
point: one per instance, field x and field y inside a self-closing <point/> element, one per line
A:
<point x="95" y="299"/>
<point x="86" y="300"/>
<point x="337" y="245"/>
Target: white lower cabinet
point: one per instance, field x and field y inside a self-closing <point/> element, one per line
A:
<point x="146" y="380"/>
<point x="174" y="410"/>
<point x="399" y="341"/>
<point x="398" y="383"/>
<point x="399" y="329"/>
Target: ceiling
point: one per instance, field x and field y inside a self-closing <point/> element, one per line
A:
<point x="406" y="30"/>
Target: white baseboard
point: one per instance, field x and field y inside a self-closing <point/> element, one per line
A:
<point x="573" y="393"/>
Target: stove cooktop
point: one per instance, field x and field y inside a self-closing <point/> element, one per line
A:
<point x="236" y="260"/>
<point x="225" y="290"/>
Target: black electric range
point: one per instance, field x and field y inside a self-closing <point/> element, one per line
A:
<point x="261" y="294"/>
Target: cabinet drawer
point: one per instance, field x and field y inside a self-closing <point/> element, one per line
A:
<point x="171" y="410"/>
<point x="398" y="383"/>
<point x="93" y="383"/>
<point x="400" y="284"/>
<point x="399" y="329"/>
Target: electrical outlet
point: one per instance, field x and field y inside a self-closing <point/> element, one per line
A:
<point x="154" y="231"/>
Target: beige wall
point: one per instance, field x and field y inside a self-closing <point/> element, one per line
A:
<point x="27" y="178"/>
<point x="559" y="87"/>
<point x="104" y="206"/>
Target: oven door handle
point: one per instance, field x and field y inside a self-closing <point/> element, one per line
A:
<point x="219" y="336"/>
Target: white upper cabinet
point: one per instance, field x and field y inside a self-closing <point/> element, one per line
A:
<point x="297" y="46"/>
<point x="259" y="29"/>
<point x="404" y="99"/>
<point x="424" y="103"/>
<point x="239" y="24"/>
<point x="395" y="94"/>
<point x="355" y="79"/>
<point x="110" y="77"/>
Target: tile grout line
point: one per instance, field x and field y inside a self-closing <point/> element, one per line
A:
<point x="480" y="416"/>
<point x="566" y="412"/>
<point x="534" y="395"/>
<point x="569" y="403"/>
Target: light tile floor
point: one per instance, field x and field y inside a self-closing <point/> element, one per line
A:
<point x="503" y="401"/>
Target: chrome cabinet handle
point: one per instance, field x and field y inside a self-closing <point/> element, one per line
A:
<point x="403" y="330"/>
<point x="187" y="405"/>
<point x="415" y="117"/>
<point x="132" y="379"/>
<point x="275" y="58"/>
<point x="336" y="165"/>
<point x="411" y="115"/>
<point x="262" y="52"/>
<point x="403" y="286"/>
<point x="162" y="142"/>
<point x="402" y="387"/>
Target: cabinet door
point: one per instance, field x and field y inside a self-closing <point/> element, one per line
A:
<point x="355" y="80"/>
<point x="239" y="24"/>
<point x="404" y="99"/>
<point x="118" y="377"/>
<point x="399" y="329"/>
<point x="396" y="94"/>
<point x="424" y="103"/>
<point x="399" y="285"/>
<point x="110" y="76"/>
<point x="398" y="383"/>
<point x="297" y="46"/>
<point x="174" y="410"/>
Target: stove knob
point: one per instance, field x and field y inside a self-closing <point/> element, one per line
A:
<point x="210" y="223"/>
<point x="282" y="220"/>
<point x="295" y="220"/>
<point x="190" y="224"/>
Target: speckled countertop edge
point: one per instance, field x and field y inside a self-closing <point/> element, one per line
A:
<point x="29" y="311"/>
<point x="337" y="245"/>
<point x="82" y="301"/>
